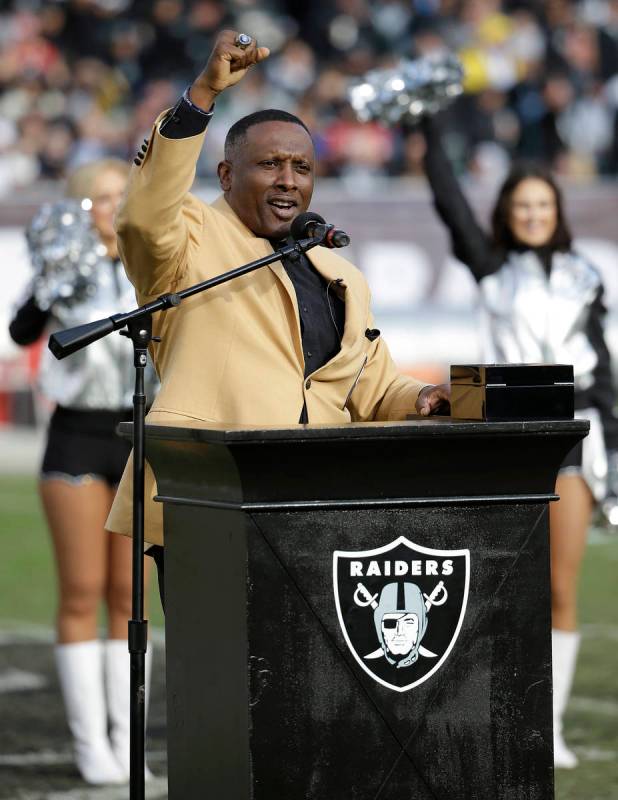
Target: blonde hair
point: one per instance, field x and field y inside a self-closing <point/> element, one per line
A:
<point x="81" y="180"/>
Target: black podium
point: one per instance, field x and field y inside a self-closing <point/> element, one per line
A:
<point x="359" y="612"/>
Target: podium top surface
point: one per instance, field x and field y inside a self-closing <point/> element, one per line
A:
<point x="424" y="460"/>
<point x="414" y="428"/>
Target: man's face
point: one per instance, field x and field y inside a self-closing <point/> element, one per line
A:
<point x="400" y="632"/>
<point x="269" y="179"/>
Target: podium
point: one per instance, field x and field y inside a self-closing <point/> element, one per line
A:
<point x="359" y="612"/>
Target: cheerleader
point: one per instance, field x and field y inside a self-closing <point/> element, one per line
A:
<point x="79" y="278"/>
<point x="541" y="301"/>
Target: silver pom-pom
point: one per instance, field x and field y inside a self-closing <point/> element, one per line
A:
<point x="65" y="251"/>
<point x="409" y="91"/>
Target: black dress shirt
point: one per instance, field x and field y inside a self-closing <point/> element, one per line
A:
<point x="321" y="311"/>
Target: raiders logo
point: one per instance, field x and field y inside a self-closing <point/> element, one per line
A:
<point x="401" y="608"/>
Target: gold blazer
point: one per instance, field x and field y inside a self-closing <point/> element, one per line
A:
<point x="234" y="353"/>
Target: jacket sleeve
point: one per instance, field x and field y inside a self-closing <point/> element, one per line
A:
<point x="602" y="393"/>
<point x="469" y="242"/>
<point x="28" y="323"/>
<point x="159" y="222"/>
<point x="382" y="392"/>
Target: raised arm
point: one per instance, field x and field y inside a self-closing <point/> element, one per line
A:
<point x="159" y="222"/>
<point x="469" y="242"/>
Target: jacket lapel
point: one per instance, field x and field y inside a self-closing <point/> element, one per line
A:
<point x="326" y="264"/>
<point x="262" y="247"/>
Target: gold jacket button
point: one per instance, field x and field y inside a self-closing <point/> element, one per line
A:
<point x="308" y="383"/>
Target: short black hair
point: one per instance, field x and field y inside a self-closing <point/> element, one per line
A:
<point x="239" y="129"/>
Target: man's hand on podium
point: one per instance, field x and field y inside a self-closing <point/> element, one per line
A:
<point x="434" y="400"/>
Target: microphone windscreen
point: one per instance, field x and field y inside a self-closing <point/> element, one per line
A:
<point x="298" y="229"/>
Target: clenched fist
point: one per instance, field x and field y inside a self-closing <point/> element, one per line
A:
<point x="228" y="64"/>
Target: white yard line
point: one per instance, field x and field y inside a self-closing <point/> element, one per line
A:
<point x="599" y="630"/>
<point x="603" y="536"/>
<point x="596" y="754"/>
<point x="18" y="680"/>
<point x="40" y="759"/>
<point x="50" y="757"/>
<point x="593" y="705"/>
<point x="17" y="632"/>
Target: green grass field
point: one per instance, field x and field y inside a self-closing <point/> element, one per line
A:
<point x="27" y="594"/>
<point x="27" y="577"/>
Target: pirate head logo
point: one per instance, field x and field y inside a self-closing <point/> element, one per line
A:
<point x="400" y="618"/>
<point x="400" y="608"/>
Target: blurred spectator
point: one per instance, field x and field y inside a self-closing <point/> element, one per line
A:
<point x="357" y="151"/>
<point x="55" y="152"/>
<point x="82" y="79"/>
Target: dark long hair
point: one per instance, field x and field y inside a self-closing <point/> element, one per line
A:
<point x="503" y="238"/>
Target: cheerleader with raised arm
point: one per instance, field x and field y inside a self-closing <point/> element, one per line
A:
<point x="542" y="301"/>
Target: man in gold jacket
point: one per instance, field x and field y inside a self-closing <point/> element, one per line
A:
<point x="289" y="343"/>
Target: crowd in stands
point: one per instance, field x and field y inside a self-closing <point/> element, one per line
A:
<point x="80" y="79"/>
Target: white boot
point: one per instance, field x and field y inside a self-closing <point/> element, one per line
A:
<point x="80" y="670"/>
<point x="118" y="686"/>
<point x="565" y="645"/>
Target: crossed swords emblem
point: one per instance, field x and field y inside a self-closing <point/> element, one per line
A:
<point x="364" y="599"/>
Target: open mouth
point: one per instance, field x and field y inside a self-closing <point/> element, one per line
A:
<point x="283" y="208"/>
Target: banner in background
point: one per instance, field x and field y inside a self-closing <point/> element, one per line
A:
<point x="425" y="302"/>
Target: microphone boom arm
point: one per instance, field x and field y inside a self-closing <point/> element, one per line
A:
<point x="63" y="343"/>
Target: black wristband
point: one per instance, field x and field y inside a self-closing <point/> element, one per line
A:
<point x="186" y="97"/>
<point x="185" y="119"/>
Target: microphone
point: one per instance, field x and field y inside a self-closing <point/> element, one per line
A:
<point x="313" y="226"/>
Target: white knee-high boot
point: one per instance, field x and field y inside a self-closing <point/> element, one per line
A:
<point x="80" y="670"/>
<point x="118" y="687"/>
<point x="565" y="645"/>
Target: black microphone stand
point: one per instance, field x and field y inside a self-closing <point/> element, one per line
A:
<point x="138" y="324"/>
